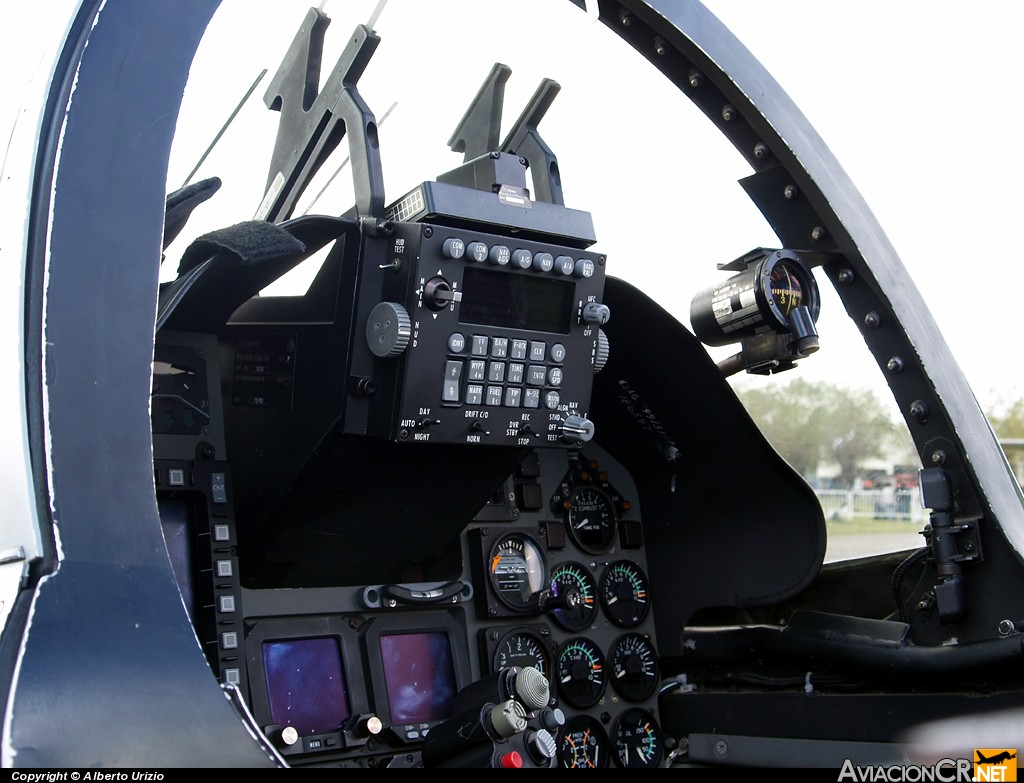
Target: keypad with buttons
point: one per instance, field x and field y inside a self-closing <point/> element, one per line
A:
<point x="508" y="384"/>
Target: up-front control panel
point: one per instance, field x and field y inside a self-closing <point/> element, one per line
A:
<point x="486" y="339"/>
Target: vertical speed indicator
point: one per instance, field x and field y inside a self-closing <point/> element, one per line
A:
<point x="522" y="648"/>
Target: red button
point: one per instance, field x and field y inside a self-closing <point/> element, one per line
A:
<point x="512" y="760"/>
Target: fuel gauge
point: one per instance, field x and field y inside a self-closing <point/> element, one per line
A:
<point x="590" y="517"/>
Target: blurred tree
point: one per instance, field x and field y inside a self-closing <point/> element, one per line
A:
<point x="811" y="423"/>
<point x="1008" y="425"/>
<point x="1010" y="422"/>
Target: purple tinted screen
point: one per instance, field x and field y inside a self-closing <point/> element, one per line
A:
<point x="306" y="684"/>
<point x="420" y="676"/>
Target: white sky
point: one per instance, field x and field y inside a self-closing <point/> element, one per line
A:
<point x="916" y="99"/>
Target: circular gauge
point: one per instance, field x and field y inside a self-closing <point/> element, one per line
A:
<point x="516" y="570"/>
<point x="624" y="593"/>
<point x="637" y="740"/>
<point x="590" y="517"/>
<point x="767" y="293"/>
<point x="634" y="667"/>
<point x="583" y="744"/>
<point x="785" y="282"/>
<point x="577" y="586"/>
<point x="522" y="648"/>
<point x="581" y="673"/>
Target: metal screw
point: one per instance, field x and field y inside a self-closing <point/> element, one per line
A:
<point x="403" y="434"/>
<point x="625" y="18"/>
<point x="492" y="611"/>
<point x="721" y="748"/>
<point x="818" y="233"/>
<point x="938" y="457"/>
<point x="790" y="192"/>
<point x="661" y="46"/>
<point x="846" y="276"/>
<point x="760" y="150"/>
<point x="391" y="602"/>
<point x="919" y="410"/>
<point x="895" y="364"/>
<point x="728" y="112"/>
<point x="696" y="78"/>
<point x="872" y="320"/>
<point x="1006" y="627"/>
<point x="428" y="231"/>
<point x="495" y="155"/>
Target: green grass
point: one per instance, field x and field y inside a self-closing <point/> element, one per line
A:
<point x="868" y="524"/>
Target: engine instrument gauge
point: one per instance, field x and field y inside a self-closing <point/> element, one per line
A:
<point x="583" y="744"/>
<point x="517" y="570"/>
<point x="581" y="673"/>
<point x="575" y="577"/>
<point x="637" y="740"/>
<point x="590" y="516"/>
<point x="623" y="593"/>
<point x="634" y="667"/>
<point x="522" y="648"/>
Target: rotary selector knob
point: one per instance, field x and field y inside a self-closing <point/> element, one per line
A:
<point x="438" y="294"/>
<point x="541" y="745"/>
<point x="388" y="330"/>
<point x="596" y="313"/>
<point x="577" y="428"/>
<point x="285" y="737"/>
<point x="601" y="351"/>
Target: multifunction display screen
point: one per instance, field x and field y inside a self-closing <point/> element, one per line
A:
<point x="516" y="301"/>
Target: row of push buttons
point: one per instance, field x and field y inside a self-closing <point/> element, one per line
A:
<point x="535" y="376"/>
<point x="520" y="258"/>
<point x="504" y="348"/>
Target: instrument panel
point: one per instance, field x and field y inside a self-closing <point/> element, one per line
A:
<point x="551" y="574"/>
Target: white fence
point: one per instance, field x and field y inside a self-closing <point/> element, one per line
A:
<point x="842" y="505"/>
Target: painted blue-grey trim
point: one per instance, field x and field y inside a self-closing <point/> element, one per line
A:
<point x="111" y="673"/>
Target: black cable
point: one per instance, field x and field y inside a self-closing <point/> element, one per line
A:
<point x="898" y="576"/>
